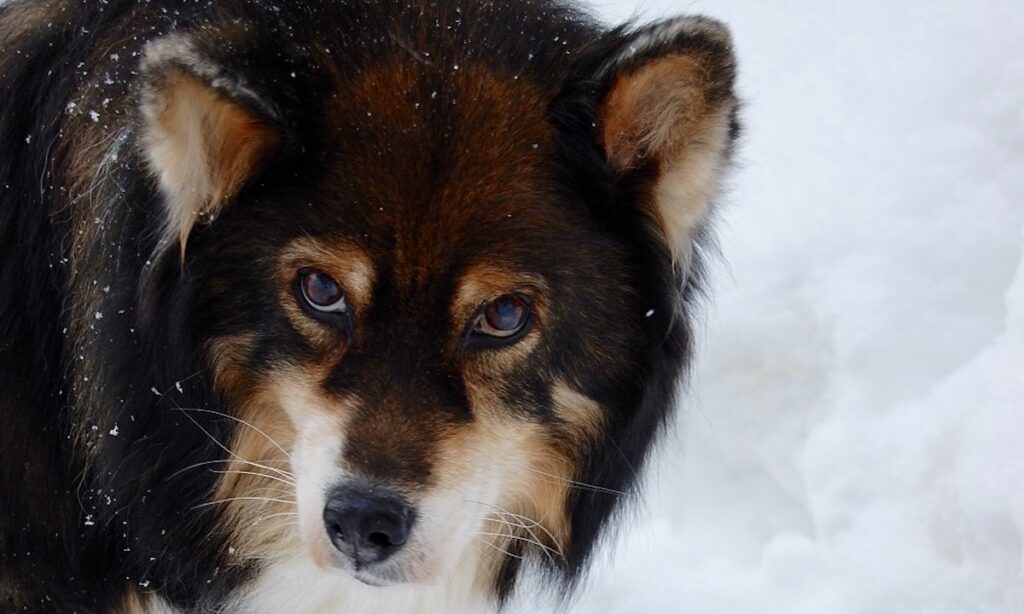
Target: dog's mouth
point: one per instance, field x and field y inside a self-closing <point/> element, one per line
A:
<point x="384" y="573"/>
<point x="388" y="576"/>
<point x="377" y="574"/>
<point x="369" y="579"/>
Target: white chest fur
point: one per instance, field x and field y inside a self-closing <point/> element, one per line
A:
<point x="298" y="586"/>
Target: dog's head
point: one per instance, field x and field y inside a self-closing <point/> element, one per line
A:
<point x="441" y="291"/>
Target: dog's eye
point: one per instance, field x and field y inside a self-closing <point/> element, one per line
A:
<point x="503" y="317"/>
<point x="321" y="292"/>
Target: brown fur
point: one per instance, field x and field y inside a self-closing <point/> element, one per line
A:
<point x="494" y="172"/>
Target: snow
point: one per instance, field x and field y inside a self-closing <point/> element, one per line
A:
<point x="851" y="441"/>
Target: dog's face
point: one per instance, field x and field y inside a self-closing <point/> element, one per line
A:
<point x="426" y="331"/>
<point x="417" y="331"/>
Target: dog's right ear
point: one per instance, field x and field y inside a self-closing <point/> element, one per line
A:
<point x="205" y="134"/>
<point x="658" y="103"/>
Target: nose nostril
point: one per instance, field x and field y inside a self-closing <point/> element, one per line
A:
<point x="381" y="540"/>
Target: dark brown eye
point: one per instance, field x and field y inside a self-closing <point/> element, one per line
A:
<point x="503" y="317"/>
<point x="321" y="292"/>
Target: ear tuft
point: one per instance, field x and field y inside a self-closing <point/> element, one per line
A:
<point x="204" y="134"/>
<point x="670" y="106"/>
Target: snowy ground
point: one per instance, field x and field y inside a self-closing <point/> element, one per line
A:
<point x="853" y="441"/>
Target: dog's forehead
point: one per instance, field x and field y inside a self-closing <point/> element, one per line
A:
<point x="411" y="137"/>
<point x="431" y="163"/>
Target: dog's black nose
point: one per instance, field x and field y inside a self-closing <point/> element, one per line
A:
<point x="367" y="524"/>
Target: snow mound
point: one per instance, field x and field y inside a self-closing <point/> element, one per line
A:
<point x="853" y="438"/>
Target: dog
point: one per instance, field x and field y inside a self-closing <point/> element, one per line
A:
<point x="339" y="306"/>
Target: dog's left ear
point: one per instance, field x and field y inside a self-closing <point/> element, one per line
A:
<point x="666" y="114"/>
<point x="205" y="133"/>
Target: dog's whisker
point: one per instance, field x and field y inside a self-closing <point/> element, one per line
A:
<point x="262" y="518"/>
<point x="255" y="473"/>
<point x="534" y="539"/>
<point x="228" y="450"/>
<point x="580" y="485"/>
<point x="521" y="522"/>
<point x="529" y="529"/>
<point x="502" y="520"/>
<point x="526" y="523"/>
<point x="279" y="529"/>
<point x="227" y="460"/>
<point x="499" y="549"/>
<point x="511" y="532"/>
<point x="239" y="420"/>
<point x="549" y="551"/>
<point x="273" y="490"/>
<point x="246" y="498"/>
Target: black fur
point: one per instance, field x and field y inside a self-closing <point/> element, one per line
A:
<point x="101" y="343"/>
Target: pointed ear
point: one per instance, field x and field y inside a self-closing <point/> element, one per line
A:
<point x="204" y="134"/>
<point x="668" y="107"/>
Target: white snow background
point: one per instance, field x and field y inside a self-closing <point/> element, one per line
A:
<point x="853" y="438"/>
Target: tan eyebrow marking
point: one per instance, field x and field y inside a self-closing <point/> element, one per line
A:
<point x="485" y="282"/>
<point x="343" y="260"/>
